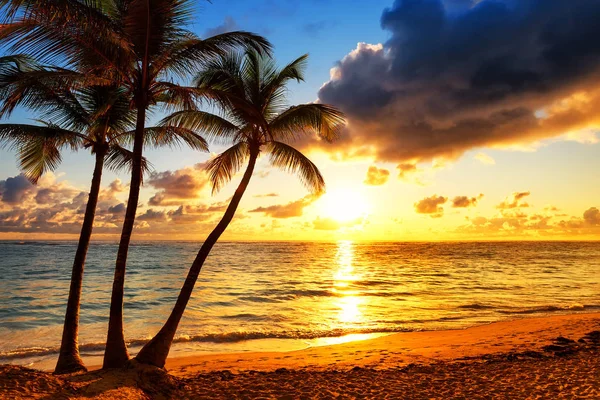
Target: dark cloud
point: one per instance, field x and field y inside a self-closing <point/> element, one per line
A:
<point x="289" y="210"/>
<point x="118" y="209"/>
<point x="465" y="201"/>
<point x="228" y="25"/>
<point x="152" y="215"/>
<point x="14" y="190"/>
<point x="377" y="176"/>
<point x="456" y="75"/>
<point x="514" y="201"/>
<point x="431" y="206"/>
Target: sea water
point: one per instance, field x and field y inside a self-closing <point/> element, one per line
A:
<point x="287" y="295"/>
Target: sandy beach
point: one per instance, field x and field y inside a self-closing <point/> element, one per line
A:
<point x="548" y="357"/>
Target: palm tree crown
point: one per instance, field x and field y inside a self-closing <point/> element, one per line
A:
<point x="250" y="93"/>
<point x="98" y="118"/>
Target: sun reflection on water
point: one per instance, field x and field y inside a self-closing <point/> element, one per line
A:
<point x="349" y="300"/>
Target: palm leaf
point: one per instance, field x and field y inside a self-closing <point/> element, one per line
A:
<point x="119" y="158"/>
<point x="214" y="127"/>
<point x="324" y="120"/>
<point x="38" y="147"/>
<point x="289" y="159"/>
<point x="224" y="166"/>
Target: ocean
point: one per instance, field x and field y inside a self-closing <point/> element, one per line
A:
<point x="265" y="296"/>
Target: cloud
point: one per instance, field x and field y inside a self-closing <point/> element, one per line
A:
<point x="330" y="224"/>
<point x="514" y="201"/>
<point x="289" y="210"/>
<point x="519" y="224"/>
<point x="118" y="209"/>
<point x="52" y="207"/>
<point x="266" y="195"/>
<point x="262" y="173"/>
<point x="13" y="190"/>
<point x="460" y="75"/>
<point x="431" y="205"/>
<point x="592" y="216"/>
<point x="228" y="25"/>
<point x="465" y="201"/>
<point x="314" y="29"/>
<point x="177" y="186"/>
<point x="152" y="215"/>
<point x="485" y="159"/>
<point x="377" y="176"/>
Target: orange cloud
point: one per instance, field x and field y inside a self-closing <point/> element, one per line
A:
<point x="465" y="202"/>
<point x="431" y="206"/>
<point x="177" y="186"/>
<point x="377" y="176"/>
<point x="289" y="210"/>
<point x="514" y="201"/>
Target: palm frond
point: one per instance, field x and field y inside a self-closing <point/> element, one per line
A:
<point x="38" y="147"/>
<point x="289" y="159"/>
<point x="14" y="136"/>
<point x="224" y="166"/>
<point x="119" y="158"/>
<point x="67" y="32"/>
<point x="324" y="120"/>
<point x="173" y="96"/>
<point x="214" y="127"/>
<point x="50" y="90"/>
<point x="273" y="91"/>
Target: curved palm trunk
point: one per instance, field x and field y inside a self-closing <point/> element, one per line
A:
<point x="116" y="354"/>
<point x="156" y="351"/>
<point x="69" y="359"/>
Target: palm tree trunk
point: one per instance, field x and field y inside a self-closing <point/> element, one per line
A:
<point x="156" y="351"/>
<point x="69" y="359"/>
<point x="116" y="354"/>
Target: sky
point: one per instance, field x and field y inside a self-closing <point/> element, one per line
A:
<point x="467" y="120"/>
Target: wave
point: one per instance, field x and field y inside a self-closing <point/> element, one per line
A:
<point x="550" y="308"/>
<point x="229" y="337"/>
<point x="241" y="336"/>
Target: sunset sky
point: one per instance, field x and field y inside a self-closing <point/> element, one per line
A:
<point x="467" y="120"/>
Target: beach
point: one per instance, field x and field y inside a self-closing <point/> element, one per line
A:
<point x="546" y="357"/>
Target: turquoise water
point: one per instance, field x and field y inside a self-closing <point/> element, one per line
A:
<point x="275" y="296"/>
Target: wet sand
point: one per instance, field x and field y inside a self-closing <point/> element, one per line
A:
<point x="549" y="357"/>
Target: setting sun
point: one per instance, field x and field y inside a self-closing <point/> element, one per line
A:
<point x="344" y="205"/>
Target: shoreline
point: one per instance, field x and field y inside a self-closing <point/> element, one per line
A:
<point x="46" y="360"/>
<point x="554" y="356"/>
<point x="423" y="347"/>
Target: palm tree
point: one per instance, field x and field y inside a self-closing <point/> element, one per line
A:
<point x="142" y="45"/>
<point x="255" y="118"/>
<point x="97" y="118"/>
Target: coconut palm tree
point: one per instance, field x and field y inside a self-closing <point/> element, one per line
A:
<point x="254" y="117"/>
<point x="97" y="118"/>
<point x="142" y="45"/>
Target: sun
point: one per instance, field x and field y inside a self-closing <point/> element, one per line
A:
<point x="344" y="205"/>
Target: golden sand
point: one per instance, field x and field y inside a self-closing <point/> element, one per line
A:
<point x="545" y="358"/>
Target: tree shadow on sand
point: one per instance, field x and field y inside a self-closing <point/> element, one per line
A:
<point x="134" y="382"/>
